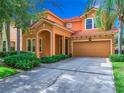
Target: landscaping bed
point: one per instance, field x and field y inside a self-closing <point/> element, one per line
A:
<point x="5" y="54"/>
<point x="118" y="69"/>
<point x="25" y="61"/>
<point x="53" y="59"/>
<point x="4" y="72"/>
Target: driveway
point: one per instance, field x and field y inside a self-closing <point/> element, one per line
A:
<point x="74" y="75"/>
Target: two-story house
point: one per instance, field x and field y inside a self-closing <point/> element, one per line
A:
<point x="78" y="36"/>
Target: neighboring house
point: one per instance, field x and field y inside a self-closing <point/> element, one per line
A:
<point x="13" y="39"/>
<point x="78" y="36"/>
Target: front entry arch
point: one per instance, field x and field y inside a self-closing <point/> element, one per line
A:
<point x="44" y="43"/>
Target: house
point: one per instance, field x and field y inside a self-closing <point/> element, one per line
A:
<point x="78" y="36"/>
<point x="13" y="39"/>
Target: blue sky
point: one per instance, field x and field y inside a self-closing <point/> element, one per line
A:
<point x="64" y="8"/>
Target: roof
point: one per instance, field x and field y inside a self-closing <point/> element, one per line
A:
<point x="50" y="12"/>
<point x="92" y="33"/>
<point x="72" y="19"/>
<point x="50" y="22"/>
<point x="78" y="18"/>
<point x="88" y="11"/>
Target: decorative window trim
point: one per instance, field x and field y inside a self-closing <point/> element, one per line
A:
<point x="31" y="39"/>
<point x="68" y="25"/>
<point x="41" y="47"/>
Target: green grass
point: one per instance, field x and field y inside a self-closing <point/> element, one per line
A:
<point x="119" y="76"/>
<point x="4" y="72"/>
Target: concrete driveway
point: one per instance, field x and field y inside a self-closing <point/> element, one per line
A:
<point x="75" y="75"/>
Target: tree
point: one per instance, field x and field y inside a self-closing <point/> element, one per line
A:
<point x="21" y="17"/>
<point x="113" y="8"/>
<point x="104" y="20"/>
<point x="17" y="11"/>
<point x="5" y="17"/>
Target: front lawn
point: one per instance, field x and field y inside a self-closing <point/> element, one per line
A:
<point x="118" y="68"/>
<point x="4" y="72"/>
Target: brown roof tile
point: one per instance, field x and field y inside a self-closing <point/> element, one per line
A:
<point x="92" y="33"/>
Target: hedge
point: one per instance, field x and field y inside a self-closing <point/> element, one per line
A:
<point x="4" y="54"/>
<point x="117" y="58"/>
<point x="55" y="58"/>
<point x="24" y="61"/>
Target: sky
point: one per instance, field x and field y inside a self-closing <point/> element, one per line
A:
<point x="63" y="8"/>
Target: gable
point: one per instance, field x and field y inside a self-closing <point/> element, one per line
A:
<point x="89" y="13"/>
<point x="54" y="18"/>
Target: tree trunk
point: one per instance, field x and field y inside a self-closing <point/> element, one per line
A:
<point x="18" y="41"/>
<point x="8" y="35"/>
<point x="120" y="37"/>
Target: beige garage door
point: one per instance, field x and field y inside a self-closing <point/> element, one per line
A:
<point x="91" y="49"/>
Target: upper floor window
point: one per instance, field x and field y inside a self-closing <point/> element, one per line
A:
<point x="89" y="23"/>
<point x="69" y="25"/>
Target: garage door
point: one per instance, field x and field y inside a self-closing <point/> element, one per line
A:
<point x="91" y="49"/>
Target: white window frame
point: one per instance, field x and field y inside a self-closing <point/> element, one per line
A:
<point x="93" y="24"/>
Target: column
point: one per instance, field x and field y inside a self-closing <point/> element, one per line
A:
<point x="53" y="44"/>
<point x="63" y="44"/>
<point x="37" y="46"/>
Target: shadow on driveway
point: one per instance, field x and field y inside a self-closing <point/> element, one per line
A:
<point x="74" y="75"/>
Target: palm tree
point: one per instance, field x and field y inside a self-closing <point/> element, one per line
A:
<point x="113" y="8"/>
<point x="104" y="20"/>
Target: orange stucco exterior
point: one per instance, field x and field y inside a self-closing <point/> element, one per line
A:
<point x="58" y="38"/>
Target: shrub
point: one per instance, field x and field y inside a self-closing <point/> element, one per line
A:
<point x="24" y="61"/>
<point x="117" y="58"/>
<point x="55" y="58"/>
<point x="4" y="54"/>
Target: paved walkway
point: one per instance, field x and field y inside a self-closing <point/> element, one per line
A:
<point x="75" y="75"/>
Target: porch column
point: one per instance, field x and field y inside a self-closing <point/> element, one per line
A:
<point x="37" y="46"/>
<point x="69" y="46"/>
<point x="63" y="44"/>
<point x="53" y="44"/>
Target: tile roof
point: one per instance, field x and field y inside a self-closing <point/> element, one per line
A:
<point x="72" y="19"/>
<point x="92" y="33"/>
